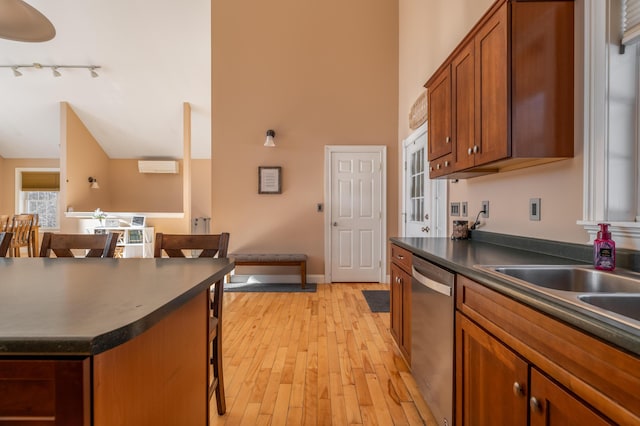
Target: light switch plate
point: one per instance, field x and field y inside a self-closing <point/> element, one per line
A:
<point x="534" y="209"/>
<point x="485" y="208"/>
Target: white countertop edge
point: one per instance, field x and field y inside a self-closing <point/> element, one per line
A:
<point x="154" y="215"/>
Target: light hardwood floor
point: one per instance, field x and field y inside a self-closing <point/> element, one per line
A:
<point x="314" y="359"/>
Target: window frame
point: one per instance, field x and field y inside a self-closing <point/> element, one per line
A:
<point x="597" y="195"/>
<point x="18" y="190"/>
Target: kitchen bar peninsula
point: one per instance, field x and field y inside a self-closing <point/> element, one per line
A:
<point x="105" y="341"/>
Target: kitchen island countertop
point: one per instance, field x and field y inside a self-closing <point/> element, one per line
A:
<point x="63" y="307"/>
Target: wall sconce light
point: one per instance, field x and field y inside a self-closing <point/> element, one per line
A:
<point x="269" y="141"/>
<point x="94" y="183"/>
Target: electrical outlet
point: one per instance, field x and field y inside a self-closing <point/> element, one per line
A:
<point x="485" y="209"/>
<point x="319" y="207"/>
<point x="534" y="209"/>
<point x="454" y="209"/>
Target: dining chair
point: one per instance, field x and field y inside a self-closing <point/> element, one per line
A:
<point x="212" y="245"/>
<point x="5" y="242"/>
<point x="61" y="245"/>
<point x="21" y="229"/>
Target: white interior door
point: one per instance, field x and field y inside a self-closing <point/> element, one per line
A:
<point x="423" y="200"/>
<point x="356" y="213"/>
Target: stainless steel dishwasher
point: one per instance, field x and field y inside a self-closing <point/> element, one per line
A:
<point x="432" y="336"/>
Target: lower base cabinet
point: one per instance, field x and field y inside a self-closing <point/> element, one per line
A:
<point x="45" y="392"/>
<point x="497" y="387"/>
<point x="400" y="295"/>
<point x="518" y="366"/>
<point x="401" y="310"/>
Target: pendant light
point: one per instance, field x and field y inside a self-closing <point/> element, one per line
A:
<point x="21" y="22"/>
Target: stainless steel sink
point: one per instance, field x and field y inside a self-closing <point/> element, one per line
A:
<point x="579" y="279"/>
<point x="613" y="295"/>
<point x="623" y="304"/>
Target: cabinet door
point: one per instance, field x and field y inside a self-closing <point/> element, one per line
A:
<point x="551" y="405"/>
<point x="492" y="142"/>
<point x="396" y="303"/>
<point x="491" y="380"/>
<point x="463" y="90"/>
<point x="439" y="105"/>
<point x="406" y="315"/>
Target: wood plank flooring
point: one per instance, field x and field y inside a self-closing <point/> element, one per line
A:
<point x="314" y="359"/>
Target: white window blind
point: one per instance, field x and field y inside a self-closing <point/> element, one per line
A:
<point x="630" y="22"/>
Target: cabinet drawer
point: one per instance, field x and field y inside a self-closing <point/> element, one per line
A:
<point x="401" y="257"/>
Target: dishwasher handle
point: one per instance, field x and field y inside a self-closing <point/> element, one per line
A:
<point x="431" y="284"/>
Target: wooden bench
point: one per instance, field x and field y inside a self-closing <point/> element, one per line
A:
<point x="274" y="260"/>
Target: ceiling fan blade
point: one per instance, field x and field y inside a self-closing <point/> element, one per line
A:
<point x="21" y="22"/>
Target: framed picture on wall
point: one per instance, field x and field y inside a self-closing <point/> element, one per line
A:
<point x="269" y="180"/>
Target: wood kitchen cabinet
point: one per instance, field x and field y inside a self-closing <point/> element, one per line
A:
<point x="517" y="366"/>
<point x="400" y="296"/>
<point x="439" y="107"/>
<point x="51" y="392"/>
<point x="495" y="389"/>
<point x="511" y="92"/>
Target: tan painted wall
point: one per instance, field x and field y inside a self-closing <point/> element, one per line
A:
<point x="429" y="31"/>
<point x="8" y="168"/>
<point x="3" y="206"/>
<point x="318" y="73"/>
<point x="132" y="191"/>
<point x="84" y="158"/>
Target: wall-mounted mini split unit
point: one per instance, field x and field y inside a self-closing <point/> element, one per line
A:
<point x="146" y="166"/>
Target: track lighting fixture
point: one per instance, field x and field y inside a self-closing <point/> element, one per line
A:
<point x="55" y="69"/>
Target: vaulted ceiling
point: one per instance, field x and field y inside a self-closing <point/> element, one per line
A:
<point x="154" y="56"/>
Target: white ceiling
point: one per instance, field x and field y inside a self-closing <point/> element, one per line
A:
<point x="154" y="55"/>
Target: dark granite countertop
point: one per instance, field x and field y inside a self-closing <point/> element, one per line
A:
<point x="461" y="256"/>
<point x="68" y="307"/>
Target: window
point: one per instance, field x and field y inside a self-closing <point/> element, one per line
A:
<point x="38" y="192"/>
<point x="630" y="21"/>
<point x="612" y="120"/>
<point x="417" y="185"/>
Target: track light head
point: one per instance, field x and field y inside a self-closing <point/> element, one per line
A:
<point x="55" y="72"/>
<point x="16" y="73"/>
<point x="93" y="72"/>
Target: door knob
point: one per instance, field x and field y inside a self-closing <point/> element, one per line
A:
<point x="426" y="229"/>
<point x="335" y="223"/>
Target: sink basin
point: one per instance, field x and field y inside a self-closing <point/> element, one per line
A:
<point x="622" y="304"/>
<point x="578" y="279"/>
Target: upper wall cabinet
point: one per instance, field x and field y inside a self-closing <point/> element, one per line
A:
<point x="504" y="98"/>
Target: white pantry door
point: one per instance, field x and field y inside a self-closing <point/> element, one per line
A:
<point x="356" y="213"/>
